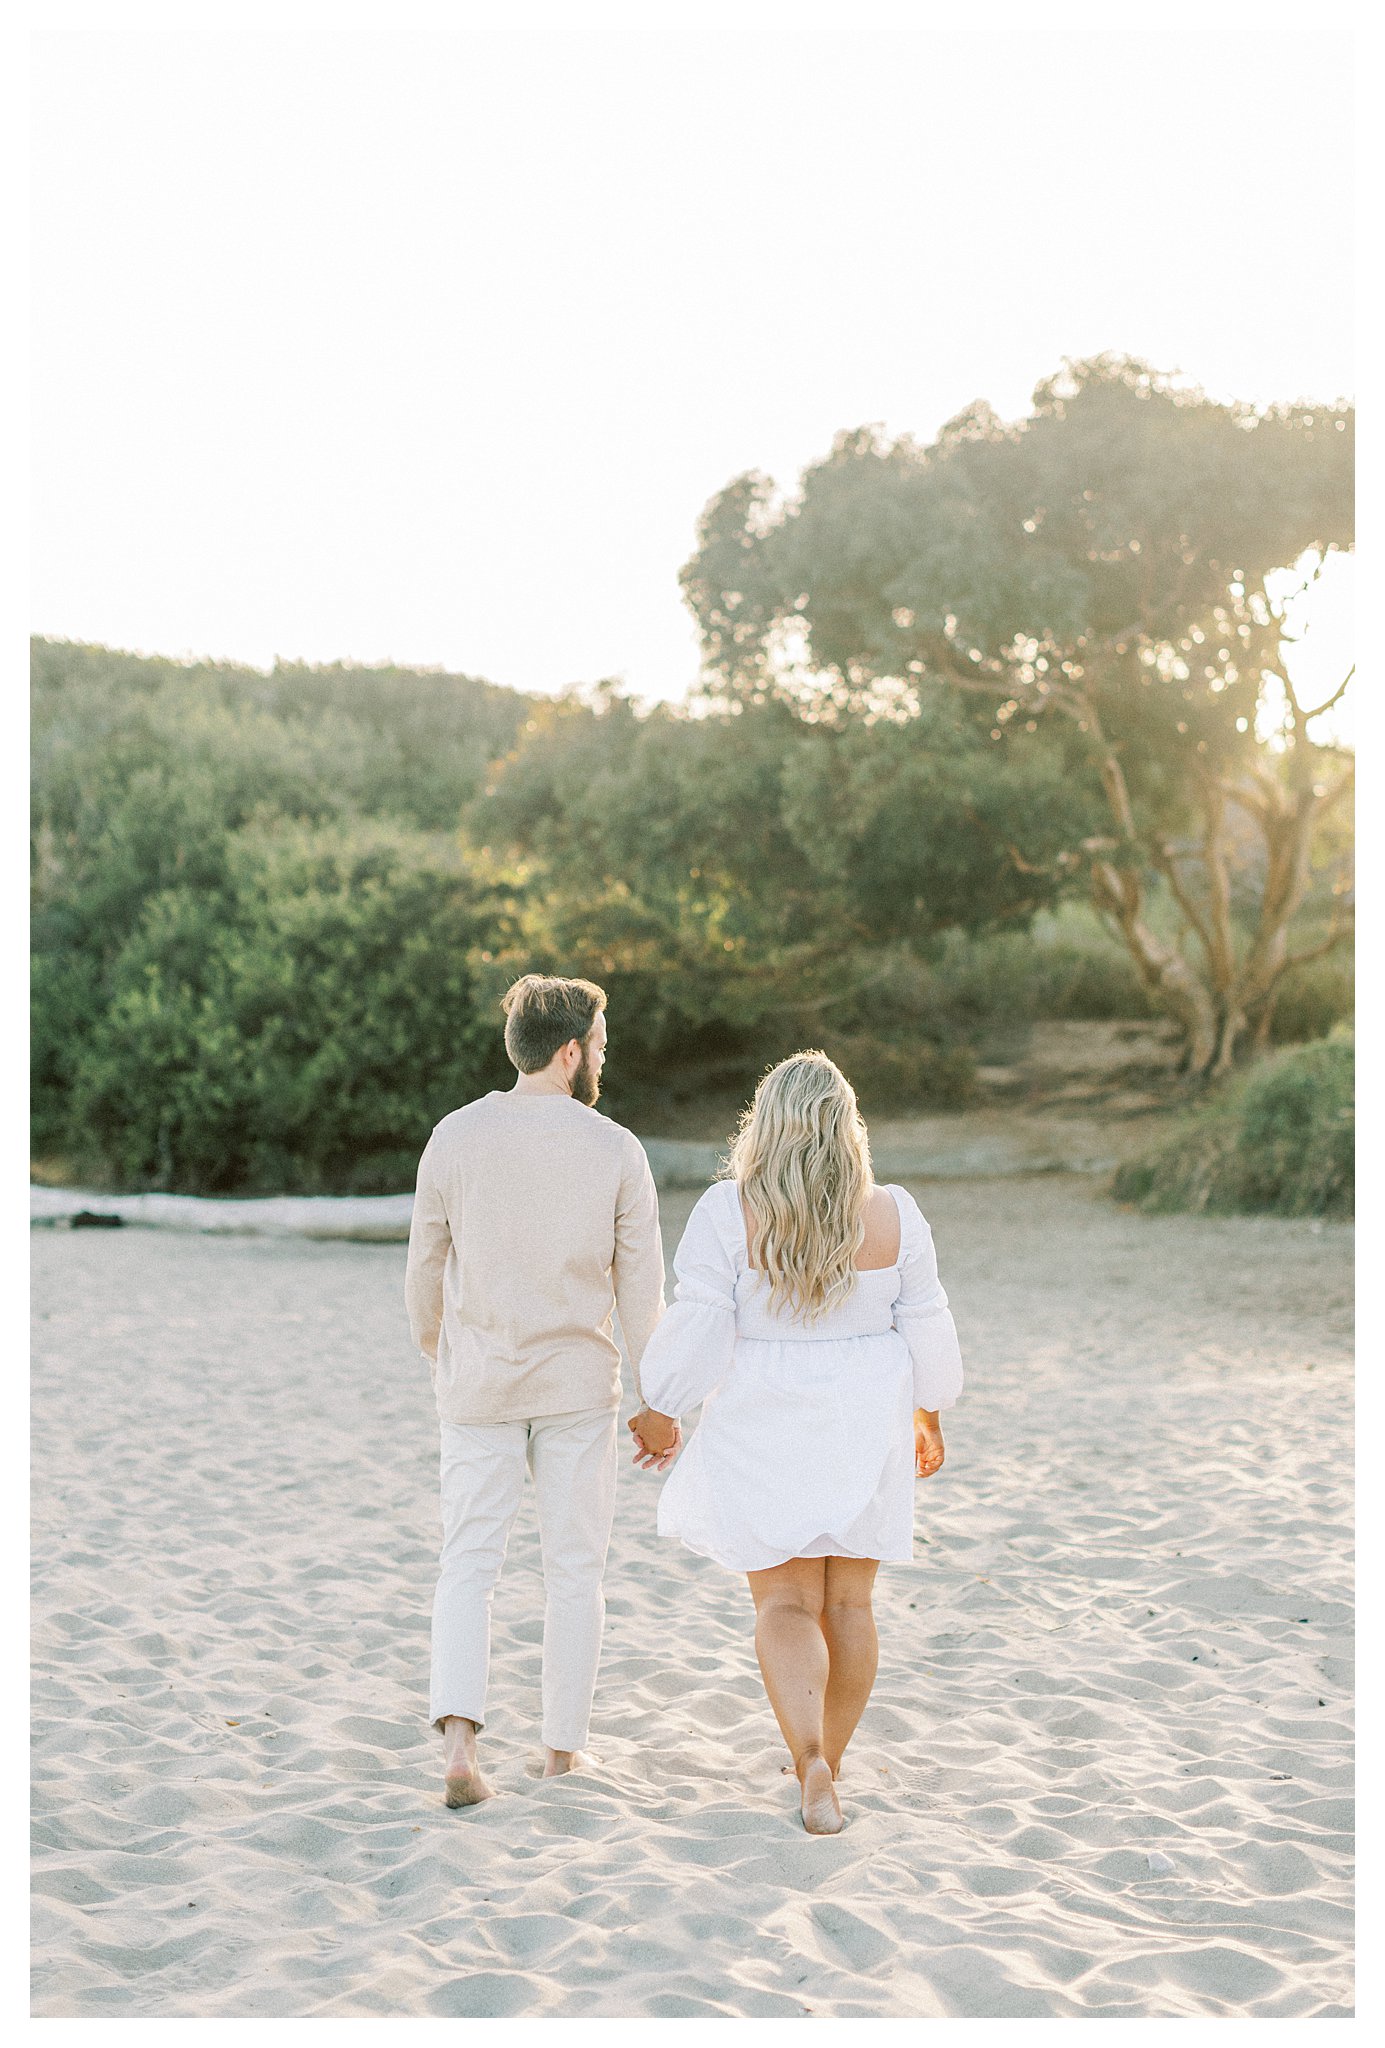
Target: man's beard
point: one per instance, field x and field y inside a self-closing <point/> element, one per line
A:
<point x="586" y="1084"/>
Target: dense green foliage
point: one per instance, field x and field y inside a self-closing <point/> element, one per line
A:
<point x="295" y="1026"/>
<point x="253" y="918"/>
<point x="742" y="884"/>
<point x="1280" y="1139"/>
<point x="1089" y="589"/>
<point x="274" y="914"/>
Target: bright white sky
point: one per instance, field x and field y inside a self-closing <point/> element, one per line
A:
<point x="434" y="347"/>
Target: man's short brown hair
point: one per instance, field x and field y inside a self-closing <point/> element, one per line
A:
<point x="544" y="1011"/>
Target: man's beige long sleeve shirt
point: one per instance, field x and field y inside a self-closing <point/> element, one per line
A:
<point x="534" y="1219"/>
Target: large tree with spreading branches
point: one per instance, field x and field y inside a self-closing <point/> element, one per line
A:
<point x="1099" y="582"/>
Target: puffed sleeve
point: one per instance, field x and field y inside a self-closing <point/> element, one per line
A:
<point x="921" y="1313"/>
<point x="689" y="1349"/>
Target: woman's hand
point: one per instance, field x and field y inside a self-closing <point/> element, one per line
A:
<point x="658" y="1438"/>
<point x="928" y="1442"/>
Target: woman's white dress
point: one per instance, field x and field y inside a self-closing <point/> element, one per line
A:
<point x="805" y="1446"/>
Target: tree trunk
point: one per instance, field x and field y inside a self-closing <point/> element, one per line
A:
<point x="1164" y="971"/>
<point x="1233" y="1026"/>
<point x="1288" y="840"/>
<point x="1228" y="1007"/>
<point x="1264" y="1021"/>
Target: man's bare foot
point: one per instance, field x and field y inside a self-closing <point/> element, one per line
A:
<point x="462" y="1783"/>
<point x="558" y="1762"/>
<point x="822" y="1814"/>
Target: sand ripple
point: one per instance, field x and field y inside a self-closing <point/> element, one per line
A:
<point x="1107" y="1769"/>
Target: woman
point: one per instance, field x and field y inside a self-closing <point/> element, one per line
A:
<point x="810" y="1323"/>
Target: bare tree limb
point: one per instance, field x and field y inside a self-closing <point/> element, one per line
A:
<point x="1164" y="971"/>
<point x="1291" y="694"/>
<point x="1113" y="779"/>
<point x="1346" y="929"/>
<point x="1336" y="696"/>
<point x="980" y="683"/>
<point x="1302" y="591"/>
<point x="1251" y="800"/>
<point x="1167" y="864"/>
<point x="1221" y="950"/>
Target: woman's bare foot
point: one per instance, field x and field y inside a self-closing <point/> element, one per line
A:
<point x="558" y="1762"/>
<point x="462" y="1783"/>
<point x="822" y="1814"/>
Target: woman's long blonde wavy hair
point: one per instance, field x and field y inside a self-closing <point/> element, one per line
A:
<point x="801" y="1162"/>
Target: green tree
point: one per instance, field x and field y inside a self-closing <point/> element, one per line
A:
<point x="302" y="1029"/>
<point x="147" y="775"/>
<point x="737" y="873"/>
<point x="1094" y="582"/>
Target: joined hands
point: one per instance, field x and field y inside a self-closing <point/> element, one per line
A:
<point x="658" y="1438"/>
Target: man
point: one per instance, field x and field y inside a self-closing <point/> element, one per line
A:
<point x="534" y="1218"/>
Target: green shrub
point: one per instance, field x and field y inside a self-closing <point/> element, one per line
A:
<point x="1088" y="981"/>
<point x="303" y="1030"/>
<point x="892" y="1077"/>
<point x="1279" y="1140"/>
<point x="981" y="992"/>
<point x="1314" y="998"/>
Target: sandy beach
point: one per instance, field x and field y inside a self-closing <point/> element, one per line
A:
<point x="1106" y="1769"/>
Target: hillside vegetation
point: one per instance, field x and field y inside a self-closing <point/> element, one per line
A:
<point x="274" y="914"/>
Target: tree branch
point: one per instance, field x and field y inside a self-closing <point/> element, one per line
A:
<point x="1346" y="929"/>
<point x="1164" y="971"/>
<point x="1221" y="952"/>
<point x="1113" y="779"/>
<point x="1166" y="862"/>
<point x="990" y="683"/>
<point x="1336" y="696"/>
<point x="1252" y="800"/>
<point x="1302" y="591"/>
<point x="1292" y="695"/>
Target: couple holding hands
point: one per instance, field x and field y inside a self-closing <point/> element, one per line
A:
<point x="808" y="1324"/>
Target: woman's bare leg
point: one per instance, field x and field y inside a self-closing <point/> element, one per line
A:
<point x="853" y="1650"/>
<point x="792" y="1650"/>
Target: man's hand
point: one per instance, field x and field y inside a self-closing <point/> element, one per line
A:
<point x="928" y="1443"/>
<point x="658" y="1438"/>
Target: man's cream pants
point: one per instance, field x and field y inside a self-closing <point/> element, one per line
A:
<point x="573" y="1460"/>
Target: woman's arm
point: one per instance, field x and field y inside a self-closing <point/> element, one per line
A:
<point x="691" y="1346"/>
<point x="922" y="1316"/>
